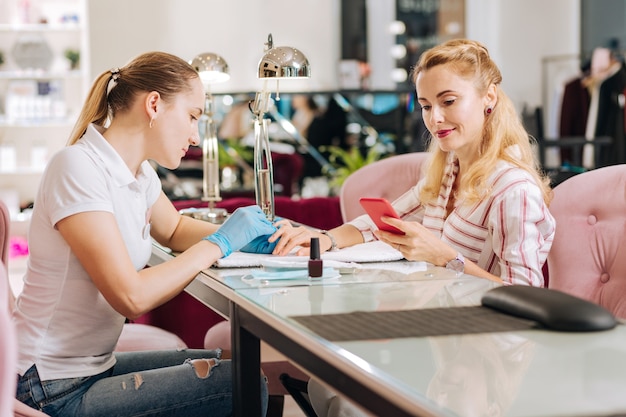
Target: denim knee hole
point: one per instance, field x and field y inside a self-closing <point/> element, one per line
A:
<point x="202" y="367"/>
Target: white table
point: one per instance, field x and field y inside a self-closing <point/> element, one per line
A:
<point x="521" y="373"/>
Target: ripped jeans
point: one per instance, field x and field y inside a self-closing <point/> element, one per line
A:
<point x="149" y="383"/>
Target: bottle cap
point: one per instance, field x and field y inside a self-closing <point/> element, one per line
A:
<point x="315" y="248"/>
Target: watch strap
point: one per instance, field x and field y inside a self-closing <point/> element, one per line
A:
<point x="457" y="264"/>
<point x="333" y="242"/>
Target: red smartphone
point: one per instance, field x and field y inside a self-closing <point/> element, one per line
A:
<point x="378" y="207"/>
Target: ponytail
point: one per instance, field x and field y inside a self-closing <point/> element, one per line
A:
<point x="95" y="110"/>
<point x="114" y="91"/>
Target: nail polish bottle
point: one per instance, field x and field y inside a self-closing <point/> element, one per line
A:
<point x="315" y="262"/>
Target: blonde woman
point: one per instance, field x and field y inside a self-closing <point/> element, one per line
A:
<point x="482" y="205"/>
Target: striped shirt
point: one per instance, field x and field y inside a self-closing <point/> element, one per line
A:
<point x="508" y="233"/>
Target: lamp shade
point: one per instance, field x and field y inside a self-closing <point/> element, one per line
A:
<point x="284" y="62"/>
<point x="211" y="67"/>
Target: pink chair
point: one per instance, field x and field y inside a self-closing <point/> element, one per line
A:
<point x="8" y="348"/>
<point x="388" y="178"/>
<point x="9" y="405"/>
<point x="138" y="336"/>
<point x="8" y="343"/>
<point x="588" y="256"/>
<point x="5" y="224"/>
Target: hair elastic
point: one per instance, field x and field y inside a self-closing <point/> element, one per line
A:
<point x="115" y="74"/>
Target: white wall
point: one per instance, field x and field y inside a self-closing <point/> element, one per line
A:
<point x="379" y="43"/>
<point x="519" y="33"/>
<point x="235" y="29"/>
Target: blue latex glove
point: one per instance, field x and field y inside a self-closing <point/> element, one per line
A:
<point x="260" y="244"/>
<point x="242" y="227"/>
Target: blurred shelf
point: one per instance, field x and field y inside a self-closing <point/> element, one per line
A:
<point x="36" y="27"/>
<point x="40" y="94"/>
<point x="29" y="123"/>
<point x="40" y="75"/>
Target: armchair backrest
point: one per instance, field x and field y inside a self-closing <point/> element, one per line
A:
<point x="388" y="178"/>
<point x="8" y="347"/>
<point x="8" y="343"/>
<point x="5" y="233"/>
<point x="588" y="256"/>
<point x="9" y="405"/>
<point x="5" y="224"/>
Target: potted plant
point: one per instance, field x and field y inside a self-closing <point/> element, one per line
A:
<point x="73" y="56"/>
<point x="231" y="151"/>
<point x="234" y="159"/>
<point x="346" y="161"/>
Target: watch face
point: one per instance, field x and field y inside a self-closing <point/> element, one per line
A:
<point x="456" y="265"/>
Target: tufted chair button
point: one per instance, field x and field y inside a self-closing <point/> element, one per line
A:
<point x="592" y="219"/>
<point x="604" y="278"/>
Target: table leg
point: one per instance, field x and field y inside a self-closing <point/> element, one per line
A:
<point x="246" y="353"/>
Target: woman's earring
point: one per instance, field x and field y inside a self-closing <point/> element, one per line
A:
<point x="151" y="120"/>
<point x="488" y="110"/>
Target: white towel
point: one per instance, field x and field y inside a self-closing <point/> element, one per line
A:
<point x="375" y="251"/>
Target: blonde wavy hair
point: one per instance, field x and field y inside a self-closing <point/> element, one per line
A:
<point x="165" y="73"/>
<point x="502" y="129"/>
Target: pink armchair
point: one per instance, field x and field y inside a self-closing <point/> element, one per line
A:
<point x="8" y="343"/>
<point x="8" y="348"/>
<point x="388" y="178"/>
<point x="9" y="405"/>
<point x="588" y="256"/>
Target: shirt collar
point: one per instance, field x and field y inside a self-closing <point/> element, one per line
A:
<point x="514" y="151"/>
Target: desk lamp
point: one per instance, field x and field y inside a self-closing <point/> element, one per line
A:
<point x="277" y="63"/>
<point x="212" y="69"/>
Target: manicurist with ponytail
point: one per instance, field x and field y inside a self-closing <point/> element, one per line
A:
<point x="97" y="209"/>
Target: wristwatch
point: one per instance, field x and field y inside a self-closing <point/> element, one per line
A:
<point x="457" y="264"/>
<point x="333" y="242"/>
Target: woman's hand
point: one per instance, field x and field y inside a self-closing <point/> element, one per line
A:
<point x="242" y="227"/>
<point x="418" y="243"/>
<point x="289" y="237"/>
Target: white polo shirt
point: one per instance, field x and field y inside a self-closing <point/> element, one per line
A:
<point x="64" y="324"/>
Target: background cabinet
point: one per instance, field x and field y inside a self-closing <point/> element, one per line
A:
<point x="41" y="92"/>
